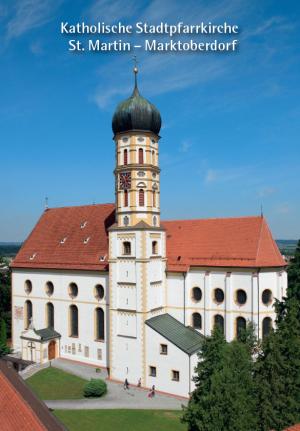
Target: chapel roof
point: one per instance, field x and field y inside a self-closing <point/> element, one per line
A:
<point x="20" y="409"/>
<point x="184" y="337"/>
<point x="77" y="238"/>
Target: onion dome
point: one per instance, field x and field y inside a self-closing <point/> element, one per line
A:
<point x="136" y="113"/>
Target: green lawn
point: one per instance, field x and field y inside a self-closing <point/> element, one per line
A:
<point x="126" y="420"/>
<point x="54" y="384"/>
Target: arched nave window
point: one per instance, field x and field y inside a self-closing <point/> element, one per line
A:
<point x="219" y="322"/>
<point x="50" y="315"/>
<point x="28" y="314"/>
<point x="196" y="321"/>
<point x="73" y="320"/>
<point x="266" y="326"/>
<point x="99" y="323"/>
<point x="240" y="326"/>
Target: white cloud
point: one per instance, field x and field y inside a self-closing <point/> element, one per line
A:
<point x="29" y="14"/>
<point x="163" y="73"/>
<point x="266" y="191"/>
<point x="283" y="208"/>
<point x="111" y="11"/>
<point x="36" y="48"/>
<point x="185" y="146"/>
<point x="225" y="175"/>
<point x="278" y="22"/>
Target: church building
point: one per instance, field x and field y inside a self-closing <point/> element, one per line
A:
<point x="115" y="286"/>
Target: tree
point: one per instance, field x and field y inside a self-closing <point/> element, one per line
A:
<point x="196" y="414"/>
<point x="294" y="275"/>
<point x="224" y="398"/>
<point x="3" y="334"/>
<point x="277" y="374"/>
<point x="232" y="396"/>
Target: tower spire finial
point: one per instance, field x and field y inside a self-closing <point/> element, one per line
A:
<point x="135" y="71"/>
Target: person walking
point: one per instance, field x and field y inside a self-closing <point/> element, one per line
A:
<point x="153" y="391"/>
<point x="139" y="383"/>
<point x="126" y="384"/>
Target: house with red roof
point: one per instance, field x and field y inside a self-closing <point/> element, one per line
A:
<point x="115" y="286"/>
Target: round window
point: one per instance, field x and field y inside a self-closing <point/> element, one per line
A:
<point x="241" y="297"/>
<point x="219" y="295"/>
<point x="73" y="290"/>
<point x="99" y="292"/>
<point x="49" y="288"/>
<point x="266" y="296"/>
<point x="197" y="294"/>
<point x="28" y="286"/>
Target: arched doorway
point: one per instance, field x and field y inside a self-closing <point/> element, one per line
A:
<point x="51" y="350"/>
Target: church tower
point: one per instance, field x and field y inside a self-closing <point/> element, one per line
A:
<point x="137" y="243"/>
<point x="136" y="124"/>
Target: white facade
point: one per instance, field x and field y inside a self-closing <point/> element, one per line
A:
<point x="130" y="347"/>
<point x="82" y="348"/>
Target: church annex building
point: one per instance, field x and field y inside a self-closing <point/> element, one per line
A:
<point x="115" y="286"/>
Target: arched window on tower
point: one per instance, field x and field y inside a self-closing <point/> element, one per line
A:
<point x="28" y="314"/>
<point x="99" y="323"/>
<point x="154" y="247"/>
<point x="153" y="198"/>
<point x="141" y="198"/>
<point x="125" y="157"/>
<point x="240" y="326"/>
<point x="266" y="326"/>
<point x="73" y="320"/>
<point x="153" y="157"/>
<point x="49" y="315"/>
<point x="125" y="198"/>
<point x="196" y="321"/>
<point x="141" y="156"/>
<point x="126" y="248"/>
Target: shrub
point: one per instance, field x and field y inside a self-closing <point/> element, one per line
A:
<point x="95" y="388"/>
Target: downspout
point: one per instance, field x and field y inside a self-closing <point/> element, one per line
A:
<point x="189" y="374"/>
<point x="184" y="277"/>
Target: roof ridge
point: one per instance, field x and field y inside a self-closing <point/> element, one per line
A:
<point x="211" y="218"/>
<point x="81" y="206"/>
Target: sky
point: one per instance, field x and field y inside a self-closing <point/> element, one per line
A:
<point x="231" y="122"/>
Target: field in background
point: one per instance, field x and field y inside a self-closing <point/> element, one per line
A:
<point x="286" y="246"/>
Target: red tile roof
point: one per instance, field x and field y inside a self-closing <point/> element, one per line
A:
<point x="69" y="238"/>
<point x="293" y="428"/>
<point x="223" y="242"/>
<point x="19" y="407"/>
<point x="58" y="241"/>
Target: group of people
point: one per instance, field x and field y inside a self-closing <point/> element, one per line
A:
<point x="151" y="393"/>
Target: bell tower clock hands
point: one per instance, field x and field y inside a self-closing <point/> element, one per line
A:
<point x="125" y="180"/>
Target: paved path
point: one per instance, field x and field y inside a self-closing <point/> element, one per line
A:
<point x="116" y="398"/>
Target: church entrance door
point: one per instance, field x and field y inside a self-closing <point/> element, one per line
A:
<point x="51" y="350"/>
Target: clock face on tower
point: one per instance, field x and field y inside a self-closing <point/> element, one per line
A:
<point x="125" y="180"/>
